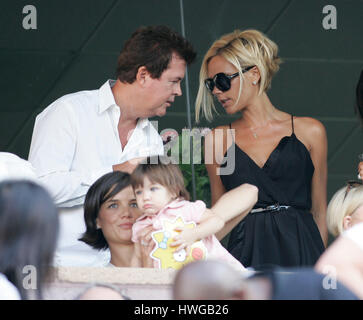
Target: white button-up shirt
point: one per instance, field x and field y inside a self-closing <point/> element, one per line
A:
<point x="76" y="141"/>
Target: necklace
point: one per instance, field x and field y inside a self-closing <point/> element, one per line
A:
<point x="253" y="130"/>
<point x="254" y="133"/>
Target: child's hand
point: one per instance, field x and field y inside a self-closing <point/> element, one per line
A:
<point x="184" y="239"/>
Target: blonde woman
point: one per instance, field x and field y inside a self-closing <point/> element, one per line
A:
<point x="283" y="155"/>
<point x="345" y="209"/>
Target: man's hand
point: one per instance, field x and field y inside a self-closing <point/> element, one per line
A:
<point x="128" y="166"/>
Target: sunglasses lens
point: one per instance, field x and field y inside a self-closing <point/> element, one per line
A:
<point x="223" y="83"/>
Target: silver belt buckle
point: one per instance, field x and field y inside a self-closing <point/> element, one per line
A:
<point x="273" y="207"/>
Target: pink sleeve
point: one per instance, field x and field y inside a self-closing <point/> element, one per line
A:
<point x="195" y="210"/>
<point x="135" y="230"/>
<point x="137" y="227"/>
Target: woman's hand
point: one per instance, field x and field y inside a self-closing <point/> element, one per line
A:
<point x="360" y="170"/>
<point x="144" y="247"/>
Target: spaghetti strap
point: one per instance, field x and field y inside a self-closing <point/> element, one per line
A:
<point x="282" y="232"/>
<point x="230" y="126"/>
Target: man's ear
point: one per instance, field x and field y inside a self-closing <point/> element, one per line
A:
<point x="142" y="75"/>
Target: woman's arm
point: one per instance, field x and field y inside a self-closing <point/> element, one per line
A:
<point x="314" y="132"/>
<point x="236" y="202"/>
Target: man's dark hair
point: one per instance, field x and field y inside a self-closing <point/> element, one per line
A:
<point x="152" y="47"/>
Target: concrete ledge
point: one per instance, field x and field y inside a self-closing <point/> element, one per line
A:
<point x="137" y="283"/>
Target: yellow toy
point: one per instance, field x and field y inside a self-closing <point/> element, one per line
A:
<point x="166" y="255"/>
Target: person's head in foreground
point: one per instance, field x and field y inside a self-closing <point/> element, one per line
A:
<point x="214" y="280"/>
<point x="343" y="259"/>
<point x="238" y="67"/>
<point x="28" y="235"/>
<point x="101" y="291"/>
<point x="207" y="280"/>
<point x="157" y="183"/>
<point x="345" y="209"/>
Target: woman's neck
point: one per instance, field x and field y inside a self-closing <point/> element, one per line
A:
<point x="121" y="254"/>
<point x="259" y="113"/>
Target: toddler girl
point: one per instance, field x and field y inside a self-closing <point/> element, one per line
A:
<point x="162" y="197"/>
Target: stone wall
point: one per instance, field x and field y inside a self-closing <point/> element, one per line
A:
<point x="136" y="283"/>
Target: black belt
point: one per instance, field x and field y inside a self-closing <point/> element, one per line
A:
<point x="274" y="207"/>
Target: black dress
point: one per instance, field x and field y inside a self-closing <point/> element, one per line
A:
<point x="277" y="237"/>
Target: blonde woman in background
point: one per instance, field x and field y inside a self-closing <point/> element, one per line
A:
<point x="283" y="155"/>
<point x="345" y="209"/>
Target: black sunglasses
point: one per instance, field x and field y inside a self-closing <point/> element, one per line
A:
<point x="222" y="81"/>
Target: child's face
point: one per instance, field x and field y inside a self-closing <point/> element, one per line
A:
<point x="152" y="197"/>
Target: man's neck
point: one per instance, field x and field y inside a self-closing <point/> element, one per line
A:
<point x="124" y="98"/>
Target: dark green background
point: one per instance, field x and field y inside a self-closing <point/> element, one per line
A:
<point x="77" y="42"/>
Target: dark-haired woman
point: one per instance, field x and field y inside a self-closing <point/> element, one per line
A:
<point x="110" y="210"/>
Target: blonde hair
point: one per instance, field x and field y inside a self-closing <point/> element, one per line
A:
<point x="242" y="49"/>
<point x="341" y="205"/>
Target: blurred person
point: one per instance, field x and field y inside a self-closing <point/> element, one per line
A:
<point x="214" y="280"/>
<point x="110" y="210"/>
<point x="207" y="280"/>
<point x="345" y="209"/>
<point x="343" y="259"/>
<point x="84" y="135"/>
<point x="13" y="167"/>
<point x="28" y="235"/>
<point x="101" y="291"/>
<point x="283" y="155"/>
<point x="7" y="290"/>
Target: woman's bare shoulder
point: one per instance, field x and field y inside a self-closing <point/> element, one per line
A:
<point x="310" y="129"/>
<point x="308" y="123"/>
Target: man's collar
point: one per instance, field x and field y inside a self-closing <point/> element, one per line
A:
<point x="143" y="122"/>
<point x="107" y="100"/>
<point x="106" y="97"/>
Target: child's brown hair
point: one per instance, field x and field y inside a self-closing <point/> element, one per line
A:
<point x="159" y="170"/>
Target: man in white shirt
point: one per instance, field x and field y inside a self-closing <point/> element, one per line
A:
<point x="84" y="135"/>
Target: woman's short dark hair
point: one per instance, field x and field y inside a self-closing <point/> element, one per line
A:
<point x="103" y="189"/>
<point x="153" y="48"/>
<point x="28" y="233"/>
